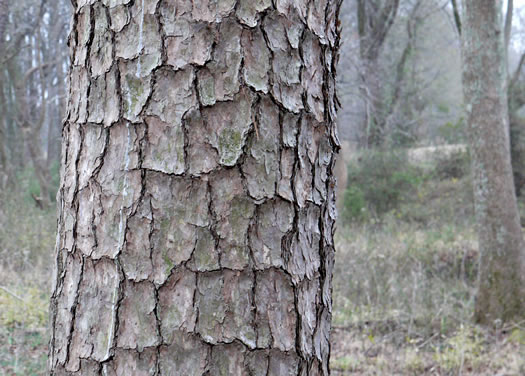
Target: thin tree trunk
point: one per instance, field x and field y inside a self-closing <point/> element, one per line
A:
<point x="4" y="19"/>
<point x="4" y="165"/>
<point x="374" y="24"/>
<point x="501" y="295"/>
<point x="4" y="168"/>
<point x="376" y="119"/>
<point x="197" y="198"/>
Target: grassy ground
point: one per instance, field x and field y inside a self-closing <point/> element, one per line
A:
<point x="26" y="245"/>
<point x="404" y="290"/>
<point x="23" y="352"/>
<point x="403" y="300"/>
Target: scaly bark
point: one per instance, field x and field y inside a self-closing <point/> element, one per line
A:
<point x="195" y="233"/>
<point x="501" y="295"/>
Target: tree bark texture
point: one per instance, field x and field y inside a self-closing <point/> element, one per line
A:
<point x="501" y="295"/>
<point x="197" y="207"/>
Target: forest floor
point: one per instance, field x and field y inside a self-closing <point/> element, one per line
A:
<point x="26" y="243"/>
<point x="404" y="288"/>
<point x="403" y="305"/>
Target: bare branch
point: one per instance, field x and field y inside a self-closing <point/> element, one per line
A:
<point x="517" y="72"/>
<point x="508" y="23"/>
<point x="457" y="18"/>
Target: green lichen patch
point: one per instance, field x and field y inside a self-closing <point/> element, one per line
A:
<point x="135" y="92"/>
<point x="230" y="144"/>
<point x="225" y="301"/>
<point x="229" y="124"/>
<point x="175" y="306"/>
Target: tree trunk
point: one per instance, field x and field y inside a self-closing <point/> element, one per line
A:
<point x="197" y="199"/>
<point x="501" y="295"/>
<point x="375" y="119"/>
<point x="4" y="165"/>
<point x="374" y="21"/>
<point x="4" y="19"/>
<point x="4" y="168"/>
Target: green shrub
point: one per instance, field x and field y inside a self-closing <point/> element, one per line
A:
<point x="453" y="166"/>
<point x="28" y="183"/>
<point x="354" y="204"/>
<point x="463" y="350"/>
<point x="453" y="132"/>
<point x="379" y="182"/>
<point x="27" y="233"/>
<point x="27" y="307"/>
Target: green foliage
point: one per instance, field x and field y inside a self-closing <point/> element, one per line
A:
<point x="517" y="336"/>
<point x="346" y="363"/>
<point x="463" y="350"/>
<point x="27" y="234"/>
<point x="443" y="108"/>
<point x="453" y="133"/>
<point x="23" y="352"/>
<point x="55" y="179"/>
<point x="28" y="183"/>
<point x="354" y="204"/>
<point x="453" y="166"/>
<point x="386" y="184"/>
<point x="27" y="237"/>
<point x="414" y="362"/>
<point x="379" y="182"/>
<point x="26" y="307"/>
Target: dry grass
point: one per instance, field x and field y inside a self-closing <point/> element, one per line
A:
<point x="404" y="292"/>
<point x="469" y="351"/>
<point x="26" y="248"/>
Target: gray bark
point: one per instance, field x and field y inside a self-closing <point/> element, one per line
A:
<point x="501" y="295"/>
<point x="4" y="19"/>
<point x="195" y="232"/>
<point x="4" y="8"/>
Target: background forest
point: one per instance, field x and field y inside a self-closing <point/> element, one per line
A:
<point x="407" y="252"/>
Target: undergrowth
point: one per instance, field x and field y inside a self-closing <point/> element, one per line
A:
<point x="405" y="282"/>
<point x="27" y="236"/>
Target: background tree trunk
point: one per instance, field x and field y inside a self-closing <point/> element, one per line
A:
<point x="501" y="293"/>
<point x="4" y="168"/>
<point x="374" y="21"/>
<point x="197" y="198"/>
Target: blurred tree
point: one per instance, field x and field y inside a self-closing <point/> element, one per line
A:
<point x="515" y="97"/>
<point x="32" y="66"/>
<point x="501" y="295"/>
<point x="392" y="74"/>
<point x="195" y="232"/>
<point x="4" y="9"/>
<point x="374" y="21"/>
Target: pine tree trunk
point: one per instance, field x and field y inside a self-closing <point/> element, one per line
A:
<point x="197" y="210"/>
<point x="501" y="295"/>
